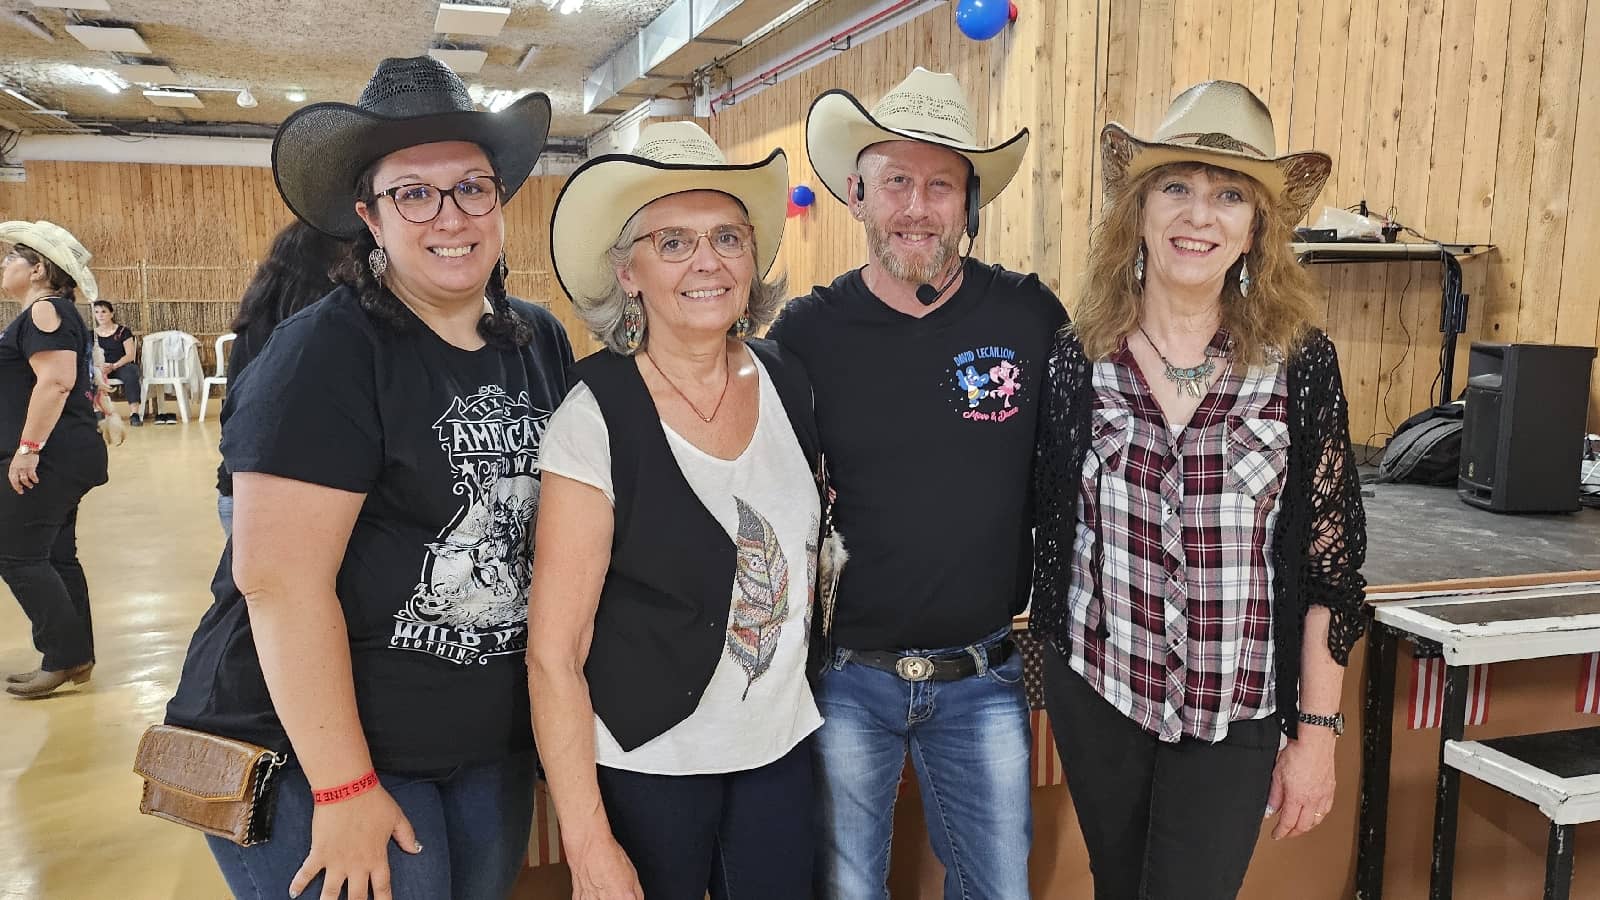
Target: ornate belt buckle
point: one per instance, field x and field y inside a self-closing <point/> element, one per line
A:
<point x="914" y="668"/>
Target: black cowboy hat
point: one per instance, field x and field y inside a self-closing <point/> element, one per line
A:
<point x="321" y="149"/>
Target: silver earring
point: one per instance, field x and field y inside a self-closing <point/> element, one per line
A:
<point x="378" y="262"/>
<point x="1138" y="264"/>
<point x="1244" y="277"/>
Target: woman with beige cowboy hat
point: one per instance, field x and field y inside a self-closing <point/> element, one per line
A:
<point x="677" y="539"/>
<point x="370" y="612"/>
<point x="1199" y="521"/>
<point x="927" y="366"/>
<point x="50" y="446"/>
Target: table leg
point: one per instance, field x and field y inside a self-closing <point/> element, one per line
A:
<point x="1448" y="794"/>
<point x="1558" y="863"/>
<point x="1377" y="727"/>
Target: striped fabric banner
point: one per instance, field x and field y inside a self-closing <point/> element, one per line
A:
<point x="1427" y="694"/>
<point x="1589" y="684"/>
<point x="1046" y="761"/>
<point x="544" y="843"/>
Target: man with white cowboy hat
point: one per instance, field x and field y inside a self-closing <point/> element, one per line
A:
<point x="925" y="365"/>
<point x="50" y="446"/>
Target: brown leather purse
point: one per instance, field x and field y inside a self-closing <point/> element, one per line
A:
<point x="217" y="785"/>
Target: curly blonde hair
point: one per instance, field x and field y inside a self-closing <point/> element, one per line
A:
<point x="1271" y="321"/>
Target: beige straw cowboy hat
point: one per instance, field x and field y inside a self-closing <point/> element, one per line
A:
<point x="929" y="107"/>
<point x="670" y="158"/>
<point x="1219" y="123"/>
<point x="57" y="245"/>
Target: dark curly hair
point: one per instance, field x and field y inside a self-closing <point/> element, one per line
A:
<point x="504" y="328"/>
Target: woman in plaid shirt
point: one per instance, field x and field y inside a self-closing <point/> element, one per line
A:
<point x="1199" y="521"/>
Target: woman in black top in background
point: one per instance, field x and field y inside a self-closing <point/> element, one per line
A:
<point x="295" y="274"/>
<point x="50" y="447"/>
<point x="121" y="349"/>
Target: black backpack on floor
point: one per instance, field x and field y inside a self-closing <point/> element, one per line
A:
<point x="1426" y="448"/>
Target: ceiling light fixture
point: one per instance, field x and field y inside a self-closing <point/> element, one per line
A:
<point x="471" y="18"/>
<point x="30" y="25"/>
<point x="463" y="61"/>
<point x="527" y="58"/>
<point x="114" y="38"/>
<point x="101" y="5"/>
<point x="178" y="98"/>
<point x="568" y="7"/>
<point x="295" y="96"/>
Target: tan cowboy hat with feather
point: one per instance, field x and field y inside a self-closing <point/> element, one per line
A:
<point x="1219" y="123"/>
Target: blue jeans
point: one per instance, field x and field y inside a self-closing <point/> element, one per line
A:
<point x="969" y="742"/>
<point x="472" y="823"/>
<point x="225" y="514"/>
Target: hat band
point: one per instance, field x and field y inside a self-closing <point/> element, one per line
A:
<point x="1214" y="140"/>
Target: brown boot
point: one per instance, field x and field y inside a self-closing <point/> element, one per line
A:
<point x="44" y="683"/>
<point x="20" y="677"/>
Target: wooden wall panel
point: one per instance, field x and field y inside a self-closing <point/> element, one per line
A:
<point x="175" y="246"/>
<point x="1469" y="119"/>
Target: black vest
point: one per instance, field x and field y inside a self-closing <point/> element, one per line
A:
<point x="663" y="614"/>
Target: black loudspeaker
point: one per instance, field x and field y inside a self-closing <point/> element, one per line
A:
<point x="1522" y="438"/>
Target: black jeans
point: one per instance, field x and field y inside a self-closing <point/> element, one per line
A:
<point x="39" y="562"/>
<point x="742" y="835"/>
<point x="1161" y="821"/>
<point x="129" y="376"/>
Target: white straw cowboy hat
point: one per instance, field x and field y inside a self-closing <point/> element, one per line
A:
<point x="57" y="245"/>
<point x="321" y="149"/>
<point x="1219" y="123"/>
<point x="929" y="107"/>
<point x="670" y="158"/>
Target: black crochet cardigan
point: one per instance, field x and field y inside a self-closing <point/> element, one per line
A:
<point x="1320" y="541"/>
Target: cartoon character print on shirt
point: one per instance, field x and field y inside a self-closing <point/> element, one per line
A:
<point x="760" y="595"/>
<point x="471" y="599"/>
<point x="988" y="381"/>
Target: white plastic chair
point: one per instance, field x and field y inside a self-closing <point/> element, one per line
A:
<point x="218" y="380"/>
<point x="170" y="359"/>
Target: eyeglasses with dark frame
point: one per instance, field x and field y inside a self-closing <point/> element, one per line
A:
<point x="677" y="243"/>
<point x="420" y="204"/>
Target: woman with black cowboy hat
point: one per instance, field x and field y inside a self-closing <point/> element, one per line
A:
<point x="1199" y="522"/>
<point x="370" y="611"/>
<point x="677" y="541"/>
<point x="50" y="446"/>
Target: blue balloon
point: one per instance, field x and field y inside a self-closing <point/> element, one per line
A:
<point x="982" y="19"/>
<point x="802" y="195"/>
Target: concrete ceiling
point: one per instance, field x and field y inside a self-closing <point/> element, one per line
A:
<point x="326" y="48"/>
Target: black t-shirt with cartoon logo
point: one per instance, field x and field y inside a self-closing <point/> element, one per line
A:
<point x="928" y="427"/>
<point x="444" y="444"/>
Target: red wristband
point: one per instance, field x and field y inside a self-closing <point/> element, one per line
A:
<point x="34" y="446"/>
<point x="345" y="791"/>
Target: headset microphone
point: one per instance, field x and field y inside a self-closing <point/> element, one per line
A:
<point x="927" y="294"/>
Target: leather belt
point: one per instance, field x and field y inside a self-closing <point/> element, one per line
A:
<point x="931" y="668"/>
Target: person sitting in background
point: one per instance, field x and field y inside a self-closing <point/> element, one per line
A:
<point x="121" y="350"/>
<point x="295" y="274"/>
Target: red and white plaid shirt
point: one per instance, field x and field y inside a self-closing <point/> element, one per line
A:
<point x="1171" y="597"/>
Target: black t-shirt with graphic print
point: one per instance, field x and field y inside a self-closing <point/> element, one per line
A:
<point x="444" y="444"/>
<point x="928" y="428"/>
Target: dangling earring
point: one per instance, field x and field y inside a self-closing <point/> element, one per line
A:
<point x="741" y="327"/>
<point x="1244" y="277"/>
<point x="632" y="323"/>
<point x="1138" y="264"/>
<point x="378" y="262"/>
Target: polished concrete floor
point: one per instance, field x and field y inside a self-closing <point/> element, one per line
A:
<point x="70" y="827"/>
<point x="149" y="540"/>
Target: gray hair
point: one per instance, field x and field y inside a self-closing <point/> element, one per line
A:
<point x="603" y="314"/>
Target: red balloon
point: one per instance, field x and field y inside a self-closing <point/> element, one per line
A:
<point x="795" y="210"/>
<point x="1011" y="14"/>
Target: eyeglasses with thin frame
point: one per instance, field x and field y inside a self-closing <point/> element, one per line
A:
<point x="677" y="243"/>
<point x="420" y="204"/>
